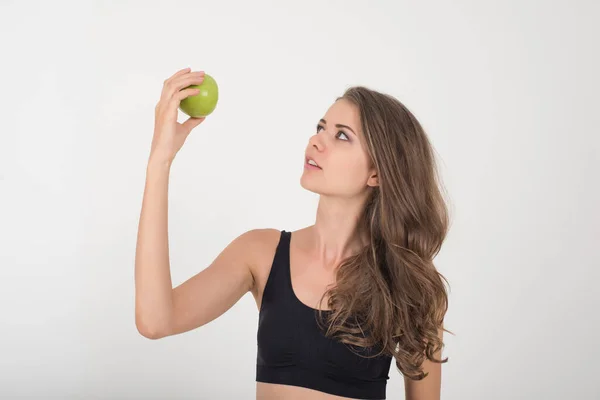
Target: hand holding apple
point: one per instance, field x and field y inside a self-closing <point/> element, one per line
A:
<point x="203" y="103"/>
<point x="169" y="135"/>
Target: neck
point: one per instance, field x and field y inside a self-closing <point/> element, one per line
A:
<point x="335" y="234"/>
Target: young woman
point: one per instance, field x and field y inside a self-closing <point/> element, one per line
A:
<point x="337" y="300"/>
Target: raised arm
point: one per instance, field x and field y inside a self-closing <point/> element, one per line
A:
<point x="161" y="310"/>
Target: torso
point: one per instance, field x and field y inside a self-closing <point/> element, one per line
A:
<point x="309" y="282"/>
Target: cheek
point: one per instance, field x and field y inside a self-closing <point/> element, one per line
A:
<point x="352" y="171"/>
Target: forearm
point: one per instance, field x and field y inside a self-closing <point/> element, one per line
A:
<point x="153" y="286"/>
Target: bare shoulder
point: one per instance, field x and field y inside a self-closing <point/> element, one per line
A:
<point x="261" y="237"/>
<point x="261" y="243"/>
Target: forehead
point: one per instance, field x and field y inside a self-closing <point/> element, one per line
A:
<point x="345" y="113"/>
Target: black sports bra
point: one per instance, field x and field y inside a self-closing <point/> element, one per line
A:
<point x="293" y="351"/>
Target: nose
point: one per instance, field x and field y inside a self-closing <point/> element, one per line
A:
<point x="317" y="142"/>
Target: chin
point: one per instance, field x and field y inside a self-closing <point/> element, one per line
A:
<point x="317" y="186"/>
<point x="309" y="184"/>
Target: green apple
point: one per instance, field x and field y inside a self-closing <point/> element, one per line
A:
<point x="203" y="103"/>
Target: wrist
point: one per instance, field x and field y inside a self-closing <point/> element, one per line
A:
<point x="159" y="163"/>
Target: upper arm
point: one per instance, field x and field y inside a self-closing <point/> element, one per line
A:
<point x="428" y="388"/>
<point x="214" y="290"/>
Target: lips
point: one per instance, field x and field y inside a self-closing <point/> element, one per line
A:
<point x="308" y="156"/>
<point x="311" y="165"/>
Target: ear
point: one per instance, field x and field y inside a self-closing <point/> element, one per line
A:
<point x="373" y="180"/>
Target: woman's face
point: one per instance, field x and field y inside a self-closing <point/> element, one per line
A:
<point x="338" y="149"/>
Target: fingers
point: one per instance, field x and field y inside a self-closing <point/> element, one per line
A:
<point x="181" y="81"/>
<point x="182" y="94"/>
<point x="194" y="78"/>
<point x="176" y="74"/>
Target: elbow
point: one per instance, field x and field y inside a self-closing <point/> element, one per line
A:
<point x="149" y="333"/>
<point x="148" y="330"/>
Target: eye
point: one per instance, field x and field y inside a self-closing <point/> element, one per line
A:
<point x="340" y="132"/>
<point x="344" y="135"/>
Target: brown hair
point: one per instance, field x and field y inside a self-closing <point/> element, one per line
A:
<point x="391" y="288"/>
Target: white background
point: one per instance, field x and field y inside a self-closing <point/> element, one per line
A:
<point x="506" y="90"/>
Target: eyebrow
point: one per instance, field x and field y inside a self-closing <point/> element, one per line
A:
<point x="340" y="126"/>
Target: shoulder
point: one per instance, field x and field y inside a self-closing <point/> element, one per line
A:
<point x="260" y="245"/>
<point x="260" y="238"/>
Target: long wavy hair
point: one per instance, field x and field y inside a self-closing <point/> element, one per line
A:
<point x="391" y="288"/>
